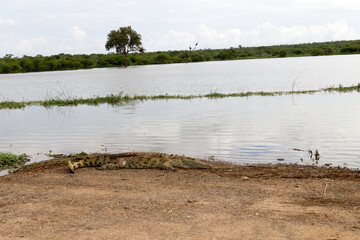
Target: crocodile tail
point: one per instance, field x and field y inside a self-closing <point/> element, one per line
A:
<point x="205" y="165"/>
<point x="195" y="163"/>
<point x="199" y="164"/>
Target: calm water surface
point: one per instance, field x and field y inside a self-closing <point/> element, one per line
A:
<point x="185" y="79"/>
<point x="242" y="130"/>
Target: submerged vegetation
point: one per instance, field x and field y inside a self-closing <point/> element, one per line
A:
<point x="119" y="98"/>
<point x="10" y="160"/>
<point x="11" y="64"/>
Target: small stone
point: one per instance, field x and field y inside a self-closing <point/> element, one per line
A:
<point x="190" y="201"/>
<point x="245" y="178"/>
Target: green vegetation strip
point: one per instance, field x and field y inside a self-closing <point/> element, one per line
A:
<point x="120" y="98"/>
<point x="38" y="63"/>
<point x="10" y="160"/>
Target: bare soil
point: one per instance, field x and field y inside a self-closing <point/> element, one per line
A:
<point x="45" y="201"/>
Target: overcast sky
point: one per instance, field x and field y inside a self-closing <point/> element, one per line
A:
<point x="30" y="27"/>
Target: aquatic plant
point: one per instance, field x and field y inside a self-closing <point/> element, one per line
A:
<point x="10" y="160"/>
<point x="12" y="105"/>
<point x="119" y="98"/>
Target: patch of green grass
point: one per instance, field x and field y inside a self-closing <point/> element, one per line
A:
<point x="12" y="105"/>
<point x="119" y="98"/>
<point x="10" y="160"/>
<point x="343" y="89"/>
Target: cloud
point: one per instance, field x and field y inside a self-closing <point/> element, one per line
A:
<point x="47" y="18"/>
<point x="121" y="6"/>
<point x="265" y="33"/>
<point x="77" y="33"/>
<point x="31" y="46"/>
<point x="7" y="22"/>
<point x="25" y="46"/>
<point x="213" y="37"/>
<point x="172" y="40"/>
<point x="350" y="5"/>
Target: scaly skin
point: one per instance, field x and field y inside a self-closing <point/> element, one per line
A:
<point x="137" y="160"/>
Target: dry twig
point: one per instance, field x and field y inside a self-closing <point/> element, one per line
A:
<point x="326" y="185"/>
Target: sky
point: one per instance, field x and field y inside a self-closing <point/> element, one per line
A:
<point x="31" y="27"/>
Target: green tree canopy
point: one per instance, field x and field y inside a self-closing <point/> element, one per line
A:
<point x="124" y="40"/>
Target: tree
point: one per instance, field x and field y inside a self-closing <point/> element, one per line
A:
<point x="283" y="53"/>
<point x="188" y="54"/>
<point x="162" y="58"/>
<point x="124" y="40"/>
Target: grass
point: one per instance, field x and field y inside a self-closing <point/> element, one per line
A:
<point x="119" y="98"/>
<point x="12" y="105"/>
<point x="10" y="160"/>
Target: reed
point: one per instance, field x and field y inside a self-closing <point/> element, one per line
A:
<point x="114" y="99"/>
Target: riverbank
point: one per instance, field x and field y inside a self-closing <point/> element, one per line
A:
<point x="45" y="201"/>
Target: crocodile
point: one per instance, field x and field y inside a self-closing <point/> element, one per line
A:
<point x="136" y="160"/>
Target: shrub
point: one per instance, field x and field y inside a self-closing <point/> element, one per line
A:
<point x="283" y="53"/>
<point x="10" y="160"/>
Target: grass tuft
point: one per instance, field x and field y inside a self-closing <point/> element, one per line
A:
<point x="10" y="160"/>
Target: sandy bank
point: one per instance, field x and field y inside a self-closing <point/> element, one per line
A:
<point x="45" y="201"/>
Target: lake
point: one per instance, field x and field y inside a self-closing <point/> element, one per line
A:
<point x="185" y="79"/>
<point x="242" y="130"/>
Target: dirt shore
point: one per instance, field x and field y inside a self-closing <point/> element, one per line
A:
<point x="45" y="201"/>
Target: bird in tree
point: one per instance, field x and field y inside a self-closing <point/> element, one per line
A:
<point x="188" y="54"/>
<point x="124" y="40"/>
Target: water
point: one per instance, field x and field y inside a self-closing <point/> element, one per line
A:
<point x="242" y="130"/>
<point x="186" y="79"/>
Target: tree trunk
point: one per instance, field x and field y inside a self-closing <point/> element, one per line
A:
<point x="126" y="62"/>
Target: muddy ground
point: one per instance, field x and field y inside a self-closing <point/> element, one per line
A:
<point x="45" y="201"/>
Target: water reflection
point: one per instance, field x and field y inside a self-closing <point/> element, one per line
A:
<point x="243" y="130"/>
<point x="186" y="79"/>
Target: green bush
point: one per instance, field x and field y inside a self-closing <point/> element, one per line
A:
<point x="283" y="53"/>
<point x="10" y="160"/>
<point x="162" y="58"/>
<point x="197" y="58"/>
<point x="227" y="54"/>
<point x="352" y="49"/>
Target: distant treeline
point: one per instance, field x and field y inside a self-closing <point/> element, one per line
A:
<point x="11" y="64"/>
